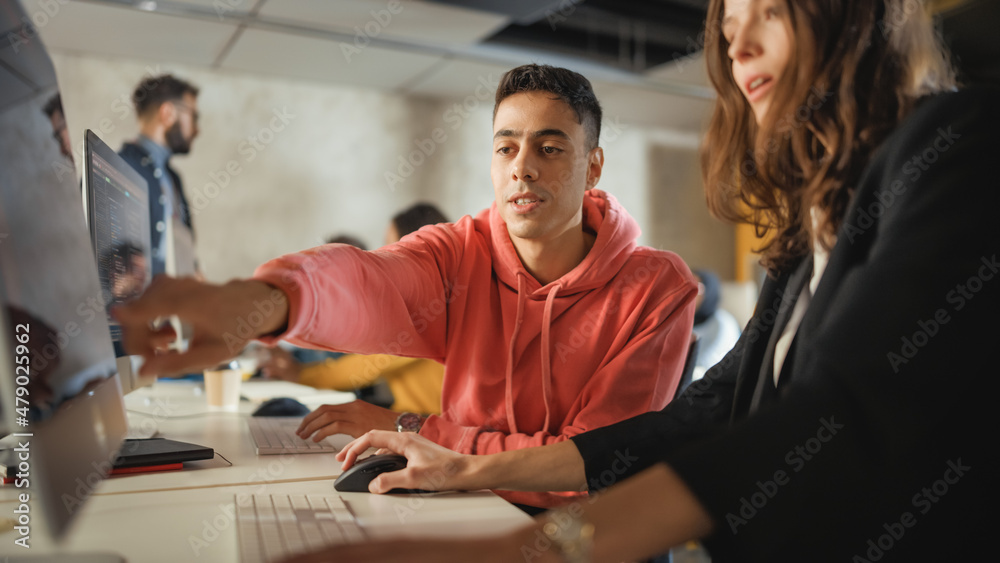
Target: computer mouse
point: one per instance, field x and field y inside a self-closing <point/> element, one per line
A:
<point x="281" y="406"/>
<point x="356" y="479"/>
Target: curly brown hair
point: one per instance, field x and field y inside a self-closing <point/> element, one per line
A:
<point x="858" y="68"/>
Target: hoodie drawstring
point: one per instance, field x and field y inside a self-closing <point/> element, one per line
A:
<point x="509" y="402"/>
<point x="546" y="365"/>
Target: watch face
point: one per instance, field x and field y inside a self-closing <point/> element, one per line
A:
<point x="409" y="422"/>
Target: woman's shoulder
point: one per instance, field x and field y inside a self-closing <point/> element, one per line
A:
<point x="961" y="98"/>
<point x="963" y="118"/>
<point x="973" y="107"/>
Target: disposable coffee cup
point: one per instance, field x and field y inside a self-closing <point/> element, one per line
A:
<point x="222" y="387"/>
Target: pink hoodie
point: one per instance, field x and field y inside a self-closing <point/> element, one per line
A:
<point x="526" y="365"/>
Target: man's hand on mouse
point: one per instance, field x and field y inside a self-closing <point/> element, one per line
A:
<point x="223" y="318"/>
<point x="353" y="418"/>
<point x="430" y="467"/>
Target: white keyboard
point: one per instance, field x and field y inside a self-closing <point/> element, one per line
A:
<point x="274" y="527"/>
<point x="276" y="435"/>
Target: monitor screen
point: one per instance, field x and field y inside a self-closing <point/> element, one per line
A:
<point x="58" y="388"/>
<point x="116" y="201"/>
<point x="116" y="206"/>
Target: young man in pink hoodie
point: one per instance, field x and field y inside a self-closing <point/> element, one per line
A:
<point x="549" y="318"/>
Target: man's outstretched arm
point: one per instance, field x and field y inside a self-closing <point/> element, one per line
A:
<point x="223" y="319"/>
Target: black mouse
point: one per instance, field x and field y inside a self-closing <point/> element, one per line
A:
<point x="281" y="406"/>
<point x="356" y="479"/>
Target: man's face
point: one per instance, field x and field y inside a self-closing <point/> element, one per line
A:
<point x="61" y="133"/>
<point x="541" y="166"/>
<point x="185" y="127"/>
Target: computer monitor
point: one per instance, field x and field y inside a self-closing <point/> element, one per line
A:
<point x="116" y="207"/>
<point x="64" y="399"/>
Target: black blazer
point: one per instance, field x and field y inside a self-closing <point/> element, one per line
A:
<point x="880" y="442"/>
<point x="139" y="159"/>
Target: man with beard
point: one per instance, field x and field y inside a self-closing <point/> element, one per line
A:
<point x="167" y="110"/>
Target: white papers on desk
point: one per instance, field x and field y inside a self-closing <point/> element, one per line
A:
<point x="260" y="391"/>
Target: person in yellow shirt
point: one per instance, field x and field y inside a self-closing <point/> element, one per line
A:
<point x="414" y="383"/>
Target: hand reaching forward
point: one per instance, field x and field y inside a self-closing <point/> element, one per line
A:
<point x="223" y="318"/>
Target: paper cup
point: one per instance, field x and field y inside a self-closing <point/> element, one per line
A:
<point x="222" y="388"/>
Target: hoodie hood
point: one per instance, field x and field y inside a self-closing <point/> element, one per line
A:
<point x="616" y="233"/>
<point x="616" y="238"/>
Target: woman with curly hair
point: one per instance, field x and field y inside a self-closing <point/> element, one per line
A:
<point x="852" y="421"/>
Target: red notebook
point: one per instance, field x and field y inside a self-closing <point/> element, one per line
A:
<point x="146" y="468"/>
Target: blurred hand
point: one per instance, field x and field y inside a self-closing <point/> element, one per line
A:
<point x="353" y="418"/>
<point x="429" y="466"/>
<point x="281" y="364"/>
<point x="223" y="318"/>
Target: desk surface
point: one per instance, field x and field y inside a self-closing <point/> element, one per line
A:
<point x="198" y="524"/>
<point x="186" y="515"/>
<point x="180" y="412"/>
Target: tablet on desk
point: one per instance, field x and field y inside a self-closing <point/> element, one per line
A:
<point x="159" y="451"/>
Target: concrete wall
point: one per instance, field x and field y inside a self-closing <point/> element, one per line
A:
<point x="681" y="217"/>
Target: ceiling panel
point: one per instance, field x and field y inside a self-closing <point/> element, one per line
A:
<point x="132" y="33"/>
<point x="224" y="6"/>
<point x="687" y="70"/>
<point x="220" y="8"/>
<point x="320" y="60"/>
<point x="421" y="22"/>
<point x="630" y="104"/>
<point x="458" y="79"/>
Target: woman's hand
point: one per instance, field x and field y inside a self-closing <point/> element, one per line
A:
<point x="429" y="466"/>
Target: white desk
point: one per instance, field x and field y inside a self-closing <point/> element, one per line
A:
<point x="186" y="515"/>
<point x="180" y="411"/>
<point x="197" y="525"/>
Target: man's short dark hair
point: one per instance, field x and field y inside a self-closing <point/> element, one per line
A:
<point x="347" y="239"/>
<point x="53" y="105"/>
<point x="416" y="216"/>
<point x="570" y="87"/>
<point x="153" y="91"/>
